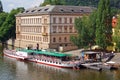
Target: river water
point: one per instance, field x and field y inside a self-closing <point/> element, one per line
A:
<point x="12" y="69"/>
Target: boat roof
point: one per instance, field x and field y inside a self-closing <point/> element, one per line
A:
<point x="91" y="52"/>
<point x="56" y="54"/>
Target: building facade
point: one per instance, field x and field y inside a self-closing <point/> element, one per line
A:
<point x="48" y="26"/>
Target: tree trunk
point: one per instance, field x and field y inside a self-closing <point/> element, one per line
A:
<point x="13" y="43"/>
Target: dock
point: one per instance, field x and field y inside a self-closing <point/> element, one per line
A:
<point x="98" y="66"/>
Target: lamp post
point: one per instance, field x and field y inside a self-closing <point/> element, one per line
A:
<point x="19" y="38"/>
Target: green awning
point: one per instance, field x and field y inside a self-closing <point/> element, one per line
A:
<point x="56" y="54"/>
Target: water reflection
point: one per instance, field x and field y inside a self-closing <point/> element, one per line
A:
<point x="13" y="69"/>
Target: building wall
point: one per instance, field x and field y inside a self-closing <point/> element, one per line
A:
<point x="31" y="30"/>
<point x="62" y="27"/>
<point x="49" y="31"/>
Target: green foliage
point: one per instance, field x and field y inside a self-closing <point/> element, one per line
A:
<point x="116" y="35"/>
<point x="53" y="2"/>
<point x="3" y="16"/>
<point x="95" y="29"/>
<point x="85" y="33"/>
<point x="103" y="24"/>
<point x="7" y="30"/>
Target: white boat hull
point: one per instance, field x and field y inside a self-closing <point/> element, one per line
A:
<point x="13" y="55"/>
<point x="55" y="64"/>
<point x="62" y="64"/>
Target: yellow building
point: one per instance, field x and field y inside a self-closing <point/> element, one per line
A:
<point x="49" y="26"/>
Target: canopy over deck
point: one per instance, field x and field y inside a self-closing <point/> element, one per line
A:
<point x="55" y="54"/>
<point x="90" y="52"/>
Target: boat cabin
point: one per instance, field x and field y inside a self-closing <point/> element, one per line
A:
<point x="91" y="56"/>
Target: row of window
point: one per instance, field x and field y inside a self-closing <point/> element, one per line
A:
<point x="39" y="20"/>
<point x="62" y="20"/>
<point x="34" y="38"/>
<point x="32" y="29"/>
<point x="64" y="29"/>
<point x="44" y="39"/>
<point x="55" y="29"/>
<point x="60" y="39"/>
<point x="31" y="21"/>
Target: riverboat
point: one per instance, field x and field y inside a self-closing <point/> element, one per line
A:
<point x="50" y="58"/>
<point x="15" y="54"/>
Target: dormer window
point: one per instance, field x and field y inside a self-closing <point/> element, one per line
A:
<point x="46" y="9"/>
<point x="27" y="11"/>
<point x="39" y="9"/>
<point x="32" y="10"/>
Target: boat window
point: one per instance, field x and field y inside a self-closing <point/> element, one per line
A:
<point x="56" y="62"/>
<point x="32" y="53"/>
<point x="50" y="61"/>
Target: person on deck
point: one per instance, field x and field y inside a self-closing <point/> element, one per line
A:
<point x="82" y="55"/>
<point x="37" y="47"/>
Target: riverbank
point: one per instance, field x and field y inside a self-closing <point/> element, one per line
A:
<point x="116" y="60"/>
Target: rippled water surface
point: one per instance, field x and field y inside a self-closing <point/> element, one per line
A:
<point x="12" y="69"/>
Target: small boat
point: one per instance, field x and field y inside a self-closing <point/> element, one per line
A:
<point x="50" y="58"/>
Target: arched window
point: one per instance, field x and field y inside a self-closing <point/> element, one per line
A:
<point x="71" y="20"/>
<point x="59" y="39"/>
<point x="54" y="39"/>
<point x="54" y="29"/>
<point x="65" y="20"/>
<point x="60" y="20"/>
<point x="65" y="39"/>
<point x="65" y="29"/>
<point x="70" y="29"/>
<point x="54" y="19"/>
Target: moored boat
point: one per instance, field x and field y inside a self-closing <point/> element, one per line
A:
<point x="50" y="58"/>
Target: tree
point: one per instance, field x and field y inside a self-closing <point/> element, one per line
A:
<point x="116" y="35"/>
<point x="3" y="16"/>
<point x="85" y="32"/>
<point x="7" y="30"/>
<point x="1" y="8"/>
<point x="53" y="2"/>
<point x="103" y="24"/>
<point x="95" y="29"/>
<point x="113" y="3"/>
